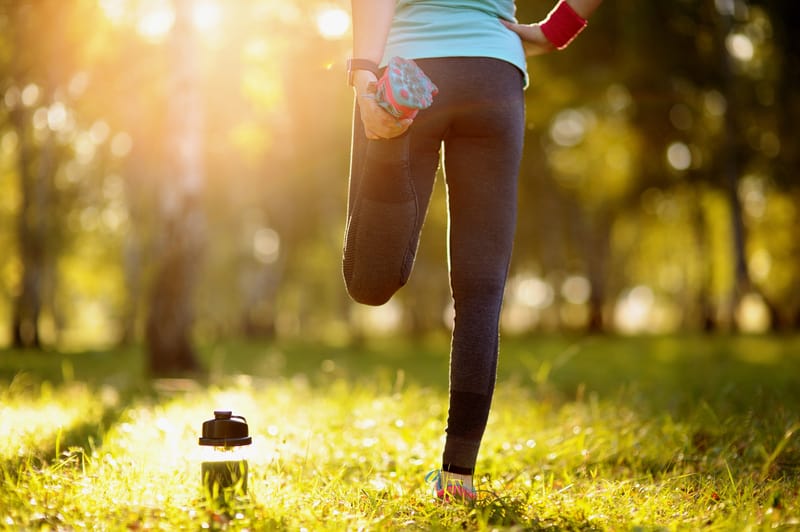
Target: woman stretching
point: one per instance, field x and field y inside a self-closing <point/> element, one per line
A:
<point x="474" y="53"/>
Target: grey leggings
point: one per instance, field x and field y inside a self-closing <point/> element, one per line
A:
<point x="478" y="117"/>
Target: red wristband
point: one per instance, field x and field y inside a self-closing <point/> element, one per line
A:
<point x="562" y="25"/>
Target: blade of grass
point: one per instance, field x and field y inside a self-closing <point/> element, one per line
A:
<point x="768" y="463"/>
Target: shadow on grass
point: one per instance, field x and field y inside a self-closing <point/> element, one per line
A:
<point x="728" y="374"/>
<point x="114" y="379"/>
<point x="707" y="379"/>
<point x="82" y="437"/>
<point x="121" y="368"/>
<point x="673" y="373"/>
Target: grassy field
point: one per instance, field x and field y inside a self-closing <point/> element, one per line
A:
<point x="585" y="434"/>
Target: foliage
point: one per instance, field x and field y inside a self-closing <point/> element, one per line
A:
<point x="637" y="155"/>
<point x="593" y="433"/>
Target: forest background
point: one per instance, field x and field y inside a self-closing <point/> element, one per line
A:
<point x="173" y="173"/>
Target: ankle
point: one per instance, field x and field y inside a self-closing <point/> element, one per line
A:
<point x="457" y="479"/>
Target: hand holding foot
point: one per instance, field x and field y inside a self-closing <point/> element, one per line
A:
<point x="378" y="124"/>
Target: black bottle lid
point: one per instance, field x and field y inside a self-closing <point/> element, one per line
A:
<point x="225" y="430"/>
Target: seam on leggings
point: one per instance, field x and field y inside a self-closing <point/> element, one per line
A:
<point x="408" y="257"/>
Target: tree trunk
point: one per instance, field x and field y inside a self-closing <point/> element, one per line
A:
<point x="171" y="315"/>
<point x="731" y="153"/>
<point x="705" y="318"/>
<point x="597" y="259"/>
<point x="169" y="324"/>
<point x="31" y="240"/>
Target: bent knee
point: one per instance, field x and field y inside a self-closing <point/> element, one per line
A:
<point x="368" y="294"/>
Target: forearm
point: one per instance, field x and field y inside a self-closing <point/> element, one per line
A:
<point x="584" y="7"/>
<point x="371" y="22"/>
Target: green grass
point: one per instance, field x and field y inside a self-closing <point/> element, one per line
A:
<point x="668" y="433"/>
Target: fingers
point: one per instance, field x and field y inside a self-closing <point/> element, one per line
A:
<point x="378" y="124"/>
<point x="388" y="131"/>
<point x="509" y="25"/>
<point x="523" y="30"/>
<point x="533" y="39"/>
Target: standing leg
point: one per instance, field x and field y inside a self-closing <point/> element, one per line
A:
<point x="483" y="149"/>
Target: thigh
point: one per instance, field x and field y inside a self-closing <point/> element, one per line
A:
<point x="483" y="149"/>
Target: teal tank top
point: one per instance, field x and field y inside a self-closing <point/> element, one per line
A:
<point x="454" y="28"/>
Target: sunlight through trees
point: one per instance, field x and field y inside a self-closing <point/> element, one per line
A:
<point x="657" y="193"/>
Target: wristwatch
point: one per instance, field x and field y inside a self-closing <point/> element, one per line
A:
<point x="361" y="64"/>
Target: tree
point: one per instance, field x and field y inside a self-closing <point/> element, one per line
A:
<point x="169" y="324"/>
<point x="36" y="76"/>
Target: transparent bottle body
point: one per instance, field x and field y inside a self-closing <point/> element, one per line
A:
<point x="224" y="469"/>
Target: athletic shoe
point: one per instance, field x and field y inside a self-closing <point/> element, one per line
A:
<point x="404" y="89"/>
<point x="454" y="491"/>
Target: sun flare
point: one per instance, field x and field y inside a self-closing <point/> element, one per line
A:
<point x="332" y="23"/>
<point x="155" y="19"/>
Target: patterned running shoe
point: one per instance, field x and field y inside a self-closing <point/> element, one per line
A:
<point x="454" y="491"/>
<point x="404" y="88"/>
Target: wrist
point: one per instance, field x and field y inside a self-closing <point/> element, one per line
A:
<point x="356" y="66"/>
<point x="562" y="25"/>
<point x="541" y="39"/>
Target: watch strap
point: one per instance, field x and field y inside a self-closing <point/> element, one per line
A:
<point x="354" y="64"/>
